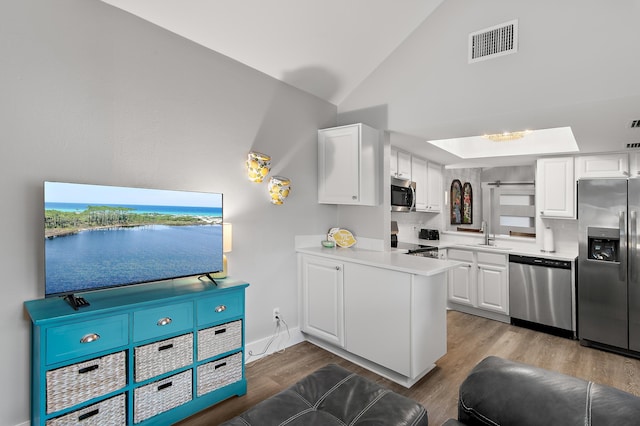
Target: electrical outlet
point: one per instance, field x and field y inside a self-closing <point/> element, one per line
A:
<point x="276" y="314"/>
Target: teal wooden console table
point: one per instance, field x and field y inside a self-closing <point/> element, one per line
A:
<point x="149" y="354"/>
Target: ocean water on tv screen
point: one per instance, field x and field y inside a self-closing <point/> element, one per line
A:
<point x="91" y="244"/>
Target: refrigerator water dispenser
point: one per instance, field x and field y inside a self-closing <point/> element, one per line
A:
<point x="603" y="244"/>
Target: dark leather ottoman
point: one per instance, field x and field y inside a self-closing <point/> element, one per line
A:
<point x="508" y="393"/>
<point x="334" y="396"/>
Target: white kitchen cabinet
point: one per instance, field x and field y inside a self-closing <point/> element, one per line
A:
<point x="634" y="164"/>
<point x="434" y="192"/>
<point x="603" y="165"/>
<point x="349" y="165"/>
<point x="461" y="278"/>
<point x="493" y="285"/>
<point x="419" y="176"/>
<point x="404" y="166"/>
<point x="393" y="163"/>
<point x="392" y="322"/>
<point x="556" y="187"/>
<point x="377" y="321"/>
<point x="480" y="282"/>
<point x="400" y="164"/>
<point x="322" y="285"/>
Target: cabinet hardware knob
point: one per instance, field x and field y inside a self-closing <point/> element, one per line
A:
<point x="164" y="321"/>
<point x="88" y="338"/>
<point x="354" y="197"/>
<point x="337" y="268"/>
<point x="220" y="308"/>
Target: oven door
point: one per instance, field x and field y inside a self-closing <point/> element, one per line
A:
<point x="403" y="195"/>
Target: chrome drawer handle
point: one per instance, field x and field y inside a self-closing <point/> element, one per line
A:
<point x="90" y="338"/>
<point x="164" y="321"/>
<point x="220" y="308"/>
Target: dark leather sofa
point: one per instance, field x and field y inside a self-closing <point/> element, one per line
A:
<point x="496" y="392"/>
<point x="507" y="393"/>
<point x="334" y="396"/>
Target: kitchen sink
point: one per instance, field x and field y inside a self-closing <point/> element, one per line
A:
<point x="489" y="246"/>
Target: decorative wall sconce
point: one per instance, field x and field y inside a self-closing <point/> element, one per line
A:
<point x="227" y="238"/>
<point x="258" y="166"/>
<point x="279" y="187"/>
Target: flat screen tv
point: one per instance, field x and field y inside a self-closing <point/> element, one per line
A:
<point x="97" y="237"/>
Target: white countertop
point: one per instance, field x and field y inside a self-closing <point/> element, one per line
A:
<point x="503" y="247"/>
<point x="395" y="259"/>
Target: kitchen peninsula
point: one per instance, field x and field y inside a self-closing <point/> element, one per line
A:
<point x="383" y="310"/>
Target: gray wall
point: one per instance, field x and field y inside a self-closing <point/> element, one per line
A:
<point x="92" y="94"/>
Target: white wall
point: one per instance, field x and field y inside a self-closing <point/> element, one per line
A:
<point x="92" y="94"/>
<point x="573" y="68"/>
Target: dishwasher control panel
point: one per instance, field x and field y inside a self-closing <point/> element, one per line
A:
<point x="549" y="263"/>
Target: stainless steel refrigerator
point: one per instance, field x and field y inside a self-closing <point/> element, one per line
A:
<point x="608" y="263"/>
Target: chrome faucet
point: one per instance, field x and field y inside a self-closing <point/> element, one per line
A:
<point x="485" y="230"/>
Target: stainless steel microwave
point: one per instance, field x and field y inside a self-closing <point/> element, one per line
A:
<point x="403" y="195"/>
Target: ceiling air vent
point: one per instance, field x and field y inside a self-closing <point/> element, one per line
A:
<point x="633" y="145"/>
<point x="635" y="124"/>
<point x="492" y="42"/>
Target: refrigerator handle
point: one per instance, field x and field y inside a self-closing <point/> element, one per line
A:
<point x="633" y="243"/>
<point x="622" y="272"/>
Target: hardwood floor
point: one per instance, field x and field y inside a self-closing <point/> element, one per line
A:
<point x="470" y="339"/>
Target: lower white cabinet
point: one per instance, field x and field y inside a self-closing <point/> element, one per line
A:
<point x="377" y="320"/>
<point x="389" y="321"/>
<point x="322" y="298"/>
<point x="481" y="280"/>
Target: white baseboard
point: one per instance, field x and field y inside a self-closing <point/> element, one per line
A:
<point x="282" y="341"/>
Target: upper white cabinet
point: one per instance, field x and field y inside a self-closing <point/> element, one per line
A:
<point x="555" y="187"/>
<point x="607" y="165"/>
<point x="349" y="165"/>
<point x="400" y="166"/>
<point x="634" y="164"/>
<point x="419" y="176"/>
<point x="434" y="193"/>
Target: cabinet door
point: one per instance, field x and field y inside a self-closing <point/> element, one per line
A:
<point x="461" y="288"/>
<point x="404" y="165"/>
<point x="493" y="290"/>
<point x="610" y="165"/>
<point x="555" y="187"/>
<point x="338" y="168"/>
<point x="393" y="163"/>
<point x="322" y="299"/>
<point x="377" y="316"/>
<point x="419" y="176"/>
<point x="435" y="192"/>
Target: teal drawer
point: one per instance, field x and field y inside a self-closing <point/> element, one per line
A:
<point x="161" y="321"/>
<point x="84" y="338"/>
<point x="214" y="310"/>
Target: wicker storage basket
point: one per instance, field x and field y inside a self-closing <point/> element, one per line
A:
<point x="161" y="357"/>
<point x="220" y="339"/>
<point x="73" y="384"/>
<point x="110" y="412"/>
<point x="217" y="374"/>
<point x="163" y="395"/>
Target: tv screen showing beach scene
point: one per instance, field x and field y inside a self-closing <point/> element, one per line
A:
<point x="98" y="237"/>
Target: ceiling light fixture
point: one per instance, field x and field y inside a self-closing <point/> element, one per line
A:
<point x="507" y="136"/>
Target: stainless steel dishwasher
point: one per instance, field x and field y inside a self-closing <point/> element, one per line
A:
<point x="540" y="293"/>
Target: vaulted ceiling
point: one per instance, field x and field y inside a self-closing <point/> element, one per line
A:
<point x="402" y="65"/>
